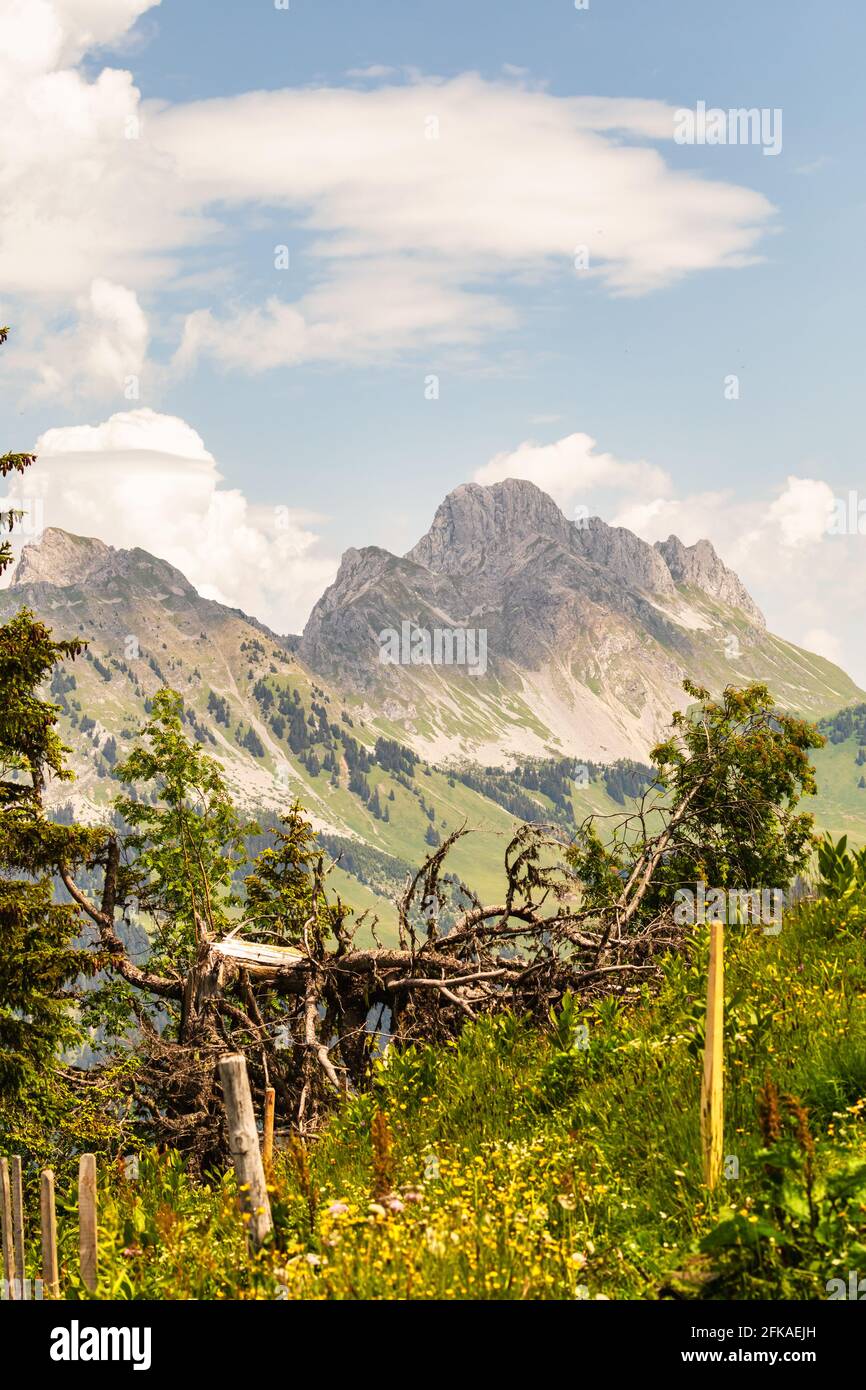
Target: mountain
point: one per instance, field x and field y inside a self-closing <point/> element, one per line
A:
<point x="588" y="632"/>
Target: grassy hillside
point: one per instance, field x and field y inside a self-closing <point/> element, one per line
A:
<point x="841" y="765"/>
<point x="282" y="732"/>
<point x="520" y="1164"/>
<point x="364" y="790"/>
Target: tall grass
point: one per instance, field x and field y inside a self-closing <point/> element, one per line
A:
<point x="560" y="1162"/>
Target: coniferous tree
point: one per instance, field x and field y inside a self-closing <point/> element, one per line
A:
<point x="39" y="961"/>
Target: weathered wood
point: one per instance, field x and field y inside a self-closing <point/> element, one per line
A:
<point x="48" y="1225"/>
<point x="87" y="1238"/>
<point x="18" y="1226"/>
<point x="268" y="1135"/>
<point x="712" y="1086"/>
<point x="257" y="957"/>
<point x="244" y="1146"/>
<point x="6" y="1229"/>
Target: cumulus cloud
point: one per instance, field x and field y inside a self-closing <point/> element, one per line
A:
<point x="795" y="548"/>
<point x="802" y="513"/>
<point x="792" y="556"/>
<point x="103" y="354"/>
<point x="145" y="479"/>
<point x="39" y="35"/>
<point x="573" y="470"/>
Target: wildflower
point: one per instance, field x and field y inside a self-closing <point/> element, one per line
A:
<point x="337" y="1209"/>
<point x="434" y="1242"/>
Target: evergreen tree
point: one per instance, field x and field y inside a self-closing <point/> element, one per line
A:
<point x="187" y="845"/>
<point x="282" y="895"/>
<point x="39" y="961"/>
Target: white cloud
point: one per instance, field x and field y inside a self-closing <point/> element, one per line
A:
<point x="447" y="189"/>
<point x="129" y="431"/>
<point x="782" y="545"/>
<point x="39" y="35"/>
<point x="145" y="479"/>
<point x="375" y="70"/>
<point x="802" y="512"/>
<point x="572" y="470"/>
<point x="784" y="551"/>
<point x="358" y="314"/>
<point x="103" y="355"/>
<point x="415" y="240"/>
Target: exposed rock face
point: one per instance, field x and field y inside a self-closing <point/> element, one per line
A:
<point x="59" y="558"/>
<point x="625" y="556"/>
<point x="698" y="565"/>
<point x="589" y="630"/>
<point x="481" y="530"/>
<point x="506" y="558"/>
<point x="62" y="561"/>
<point x="588" y="633"/>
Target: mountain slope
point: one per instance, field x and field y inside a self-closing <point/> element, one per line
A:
<point x="588" y="633"/>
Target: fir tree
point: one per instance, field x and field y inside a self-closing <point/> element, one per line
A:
<point x="39" y="961"/>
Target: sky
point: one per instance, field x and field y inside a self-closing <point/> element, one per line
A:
<point x="281" y="276"/>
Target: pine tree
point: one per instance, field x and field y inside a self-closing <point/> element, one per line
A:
<point x="39" y="961"/>
<point x="187" y="844"/>
<point x="283" y="891"/>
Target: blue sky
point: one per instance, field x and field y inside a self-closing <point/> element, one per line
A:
<point x="305" y="388"/>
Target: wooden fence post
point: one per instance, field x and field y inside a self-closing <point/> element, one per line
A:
<point x="268" y="1136"/>
<point x="244" y="1145"/>
<point x="87" y="1251"/>
<point x="48" y="1223"/>
<point x="712" y="1087"/>
<point x="18" y="1225"/>
<point x="6" y="1229"/>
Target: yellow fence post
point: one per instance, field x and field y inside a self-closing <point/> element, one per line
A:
<point x="268" y="1136"/>
<point x="712" y="1087"/>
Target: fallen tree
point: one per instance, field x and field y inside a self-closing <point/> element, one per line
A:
<point x="277" y="972"/>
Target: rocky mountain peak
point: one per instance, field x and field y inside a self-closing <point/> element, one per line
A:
<point x="65" y="561"/>
<point x="700" y="566"/>
<point x="481" y="529"/>
<point x="623" y="554"/>
<point x="62" y="559"/>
